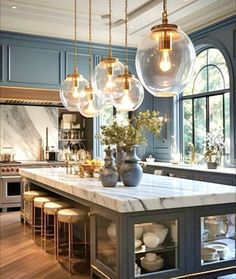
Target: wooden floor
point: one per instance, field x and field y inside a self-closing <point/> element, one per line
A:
<point x="21" y="258"/>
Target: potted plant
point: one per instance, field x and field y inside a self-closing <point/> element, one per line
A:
<point x="214" y="148"/>
<point x="127" y="137"/>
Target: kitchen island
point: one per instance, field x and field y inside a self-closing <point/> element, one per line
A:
<point x="121" y="216"/>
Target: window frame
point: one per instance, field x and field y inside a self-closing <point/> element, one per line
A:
<point x="179" y="100"/>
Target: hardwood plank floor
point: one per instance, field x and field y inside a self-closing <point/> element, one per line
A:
<point x="21" y="258"/>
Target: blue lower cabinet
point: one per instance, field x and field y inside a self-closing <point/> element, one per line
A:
<point x="193" y="242"/>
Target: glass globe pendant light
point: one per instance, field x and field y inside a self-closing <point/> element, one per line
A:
<point x="105" y="72"/>
<point x="75" y="83"/>
<point x="165" y="59"/>
<point x="128" y="91"/>
<point x="91" y="103"/>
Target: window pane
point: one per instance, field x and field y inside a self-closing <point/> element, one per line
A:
<point x="187" y="127"/>
<point x="216" y="58"/>
<point x="215" y="112"/>
<point x="199" y="126"/>
<point x="200" y="84"/>
<point x="227" y="122"/>
<point x="215" y="77"/>
<point x="106" y="117"/>
<point x="122" y="117"/>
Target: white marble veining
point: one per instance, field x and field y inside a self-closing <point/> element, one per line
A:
<point x="21" y="127"/>
<point x="154" y="192"/>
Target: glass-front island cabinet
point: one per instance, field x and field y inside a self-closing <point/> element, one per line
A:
<point x="164" y="228"/>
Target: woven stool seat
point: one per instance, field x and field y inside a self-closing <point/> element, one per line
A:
<point x="52" y="208"/>
<point x="40" y="201"/>
<point x="71" y="215"/>
<point x="30" y="195"/>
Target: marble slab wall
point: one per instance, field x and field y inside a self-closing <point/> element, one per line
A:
<point x="22" y="127"/>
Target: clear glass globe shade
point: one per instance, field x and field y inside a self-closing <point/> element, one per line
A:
<point x="103" y="77"/>
<point x="165" y="67"/>
<point x="91" y="104"/>
<point x="128" y="93"/>
<point x="70" y="92"/>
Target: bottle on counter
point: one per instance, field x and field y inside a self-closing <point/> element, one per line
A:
<point x="40" y="151"/>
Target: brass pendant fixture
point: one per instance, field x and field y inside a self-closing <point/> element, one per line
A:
<point x="165" y="59"/>
<point x="91" y="103"/>
<point x="105" y="72"/>
<point x="74" y="84"/>
<point x="128" y="91"/>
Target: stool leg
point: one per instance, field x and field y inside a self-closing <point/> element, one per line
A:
<point x="33" y="215"/>
<point x="57" y="254"/>
<point x="24" y="216"/>
<point x="45" y="231"/>
<point x="85" y="240"/>
<point x="69" y="234"/>
<point x="41" y="227"/>
<point x="55" y="235"/>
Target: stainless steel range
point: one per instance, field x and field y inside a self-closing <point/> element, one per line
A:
<point x="10" y="186"/>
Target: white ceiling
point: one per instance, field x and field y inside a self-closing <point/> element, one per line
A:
<point x="55" y="17"/>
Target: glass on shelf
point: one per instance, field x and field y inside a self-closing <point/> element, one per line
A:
<point x="155" y="246"/>
<point x="217" y="238"/>
<point x="106" y="250"/>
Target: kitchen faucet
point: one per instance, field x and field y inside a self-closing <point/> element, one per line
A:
<point x="192" y="150"/>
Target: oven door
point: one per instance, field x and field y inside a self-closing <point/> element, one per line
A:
<point x="10" y="189"/>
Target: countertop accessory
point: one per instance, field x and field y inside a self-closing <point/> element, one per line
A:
<point x="150" y="159"/>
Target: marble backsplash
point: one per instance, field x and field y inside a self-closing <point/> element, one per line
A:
<point x="22" y="127"/>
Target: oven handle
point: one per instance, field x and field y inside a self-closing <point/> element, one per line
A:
<point x="10" y="176"/>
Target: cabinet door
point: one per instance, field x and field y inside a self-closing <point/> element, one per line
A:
<point x="162" y="146"/>
<point x="34" y="65"/>
<point x="104" y="245"/>
<point x="215" y="229"/>
<point x="156" y="245"/>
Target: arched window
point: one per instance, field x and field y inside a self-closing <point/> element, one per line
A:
<point x="206" y="102"/>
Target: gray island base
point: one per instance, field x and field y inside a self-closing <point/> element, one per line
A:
<point x="161" y="229"/>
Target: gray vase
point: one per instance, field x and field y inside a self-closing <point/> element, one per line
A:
<point x="131" y="171"/>
<point x="109" y="173"/>
<point x="120" y="155"/>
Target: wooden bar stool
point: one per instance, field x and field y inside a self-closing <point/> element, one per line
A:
<point x="39" y="203"/>
<point x="71" y="217"/>
<point x="28" y="198"/>
<point x="50" y="210"/>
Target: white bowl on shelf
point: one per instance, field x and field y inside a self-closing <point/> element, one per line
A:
<point x="160" y="230"/>
<point x="138" y="231"/>
<point x="151" y="240"/>
<point x="151" y="266"/>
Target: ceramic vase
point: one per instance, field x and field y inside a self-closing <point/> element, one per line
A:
<point x="120" y="155"/>
<point x="131" y="171"/>
<point x="109" y="173"/>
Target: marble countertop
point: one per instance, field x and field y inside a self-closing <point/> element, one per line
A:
<point x="154" y="192"/>
<point x="202" y="168"/>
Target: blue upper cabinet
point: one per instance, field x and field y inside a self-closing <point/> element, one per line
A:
<point x="32" y="65"/>
<point x="82" y="64"/>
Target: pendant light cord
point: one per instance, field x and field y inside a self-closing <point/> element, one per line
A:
<point x="75" y="37"/>
<point x="110" y="51"/>
<point x="164" y="13"/>
<point x="90" y="40"/>
<point x="126" y="32"/>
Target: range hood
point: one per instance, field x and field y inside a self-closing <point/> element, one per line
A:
<point x="29" y="96"/>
